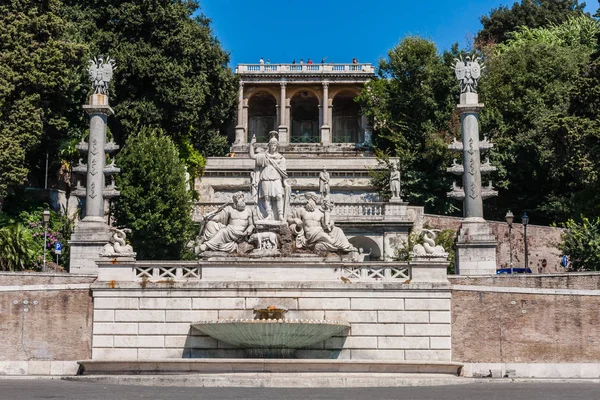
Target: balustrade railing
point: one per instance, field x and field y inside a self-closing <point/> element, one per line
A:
<point x="304" y="68"/>
<point x="359" y="209"/>
<point x="342" y="211"/>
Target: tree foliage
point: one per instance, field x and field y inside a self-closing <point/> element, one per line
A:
<point x="501" y="21"/>
<point x="171" y="71"/>
<point x="545" y="152"/>
<point x="39" y="85"/>
<point x="154" y="202"/>
<point x="411" y="110"/>
<point x="171" y="74"/>
<point x="581" y="242"/>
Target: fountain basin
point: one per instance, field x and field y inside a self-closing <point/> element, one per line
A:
<point x="272" y="337"/>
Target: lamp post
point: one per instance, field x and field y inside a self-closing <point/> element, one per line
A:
<point x="509" y="220"/>
<point x="525" y="221"/>
<point x="46" y="219"/>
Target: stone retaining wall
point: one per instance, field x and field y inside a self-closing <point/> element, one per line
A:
<point x="46" y="323"/>
<point x="503" y="324"/>
<point x="389" y="320"/>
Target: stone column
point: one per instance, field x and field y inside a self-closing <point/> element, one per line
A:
<point x="245" y="120"/>
<point x="92" y="233"/>
<point x="325" y="128"/>
<point x="475" y="244"/>
<point x="469" y="109"/>
<point x="283" y="129"/>
<point x="240" y="133"/>
<point x="94" y="199"/>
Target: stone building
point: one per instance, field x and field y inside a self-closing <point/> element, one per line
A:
<point x="319" y="125"/>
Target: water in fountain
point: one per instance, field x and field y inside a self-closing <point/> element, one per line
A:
<point x="270" y="334"/>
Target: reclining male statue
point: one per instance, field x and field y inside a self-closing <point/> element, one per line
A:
<point x="227" y="227"/>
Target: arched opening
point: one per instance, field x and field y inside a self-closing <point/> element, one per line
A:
<point x="305" y="118"/>
<point x="262" y="116"/>
<point x="346" y="127"/>
<point x="368" y="245"/>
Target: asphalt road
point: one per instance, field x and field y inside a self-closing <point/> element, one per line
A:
<point x="57" y="389"/>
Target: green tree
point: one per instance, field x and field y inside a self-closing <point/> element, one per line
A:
<point x="411" y="111"/>
<point x="171" y="71"/>
<point x="39" y="85"/>
<point x="154" y="202"/>
<point x="545" y="152"/>
<point x="581" y="242"/>
<point x="529" y="13"/>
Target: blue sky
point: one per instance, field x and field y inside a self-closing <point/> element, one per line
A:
<point x="283" y="30"/>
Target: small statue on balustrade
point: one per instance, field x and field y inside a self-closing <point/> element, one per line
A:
<point x="226" y="227"/>
<point x="324" y="188"/>
<point x="395" y="181"/>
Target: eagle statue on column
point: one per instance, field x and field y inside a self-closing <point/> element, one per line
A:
<point x="101" y="72"/>
<point x="468" y="73"/>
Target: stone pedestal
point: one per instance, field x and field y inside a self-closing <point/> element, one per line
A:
<point x="475" y="248"/>
<point x="326" y="135"/>
<point x="282" y="131"/>
<point x="87" y="241"/>
<point x="428" y="269"/>
<point x="395" y="208"/>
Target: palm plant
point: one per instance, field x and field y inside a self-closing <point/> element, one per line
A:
<point x="16" y="247"/>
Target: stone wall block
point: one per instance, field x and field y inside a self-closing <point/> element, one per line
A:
<point x="140" y="315"/>
<point x="377" y="330"/>
<point x="427" y="304"/>
<point x="306" y="314"/>
<point x="360" y="354"/>
<point x="114" y="354"/>
<point x="428" y="330"/>
<point x="116" y="303"/>
<point x="440" y="317"/>
<point x="153" y="354"/>
<point x="102" y="341"/>
<point x="435" y="355"/>
<point x="351" y="316"/>
<point x="155" y="303"/>
<point x="408" y="317"/>
<point x="190" y="316"/>
<point x="440" y="343"/>
<point x="104" y="315"/>
<point x="162" y="328"/>
<point x="351" y="342"/>
<point x="388" y="342"/>
<point x="222" y="303"/>
<point x="322" y="304"/>
<point x="157" y="341"/>
<point x="376" y="304"/>
<point x="190" y="342"/>
<point x="115" y="329"/>
<point x="290" y="303"/>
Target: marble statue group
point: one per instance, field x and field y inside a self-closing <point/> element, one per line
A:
<point x="224" y="229"/>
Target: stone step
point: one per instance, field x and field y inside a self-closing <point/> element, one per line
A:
<point x="267" y="366"/>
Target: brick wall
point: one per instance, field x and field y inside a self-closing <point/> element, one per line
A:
<point x="543" y="242"/>
<point x="543" y="319"/>
<point x="45" y="317"/>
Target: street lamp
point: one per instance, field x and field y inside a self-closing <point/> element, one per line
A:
<point x="525" y="221"/>
<point x="509" y="220"/>
<point x="46" y="219"/>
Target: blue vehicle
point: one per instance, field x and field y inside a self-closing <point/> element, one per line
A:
<point x="514" y="270"/>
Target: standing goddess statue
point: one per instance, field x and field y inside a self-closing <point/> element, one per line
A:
<point x="269" y="187"/>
